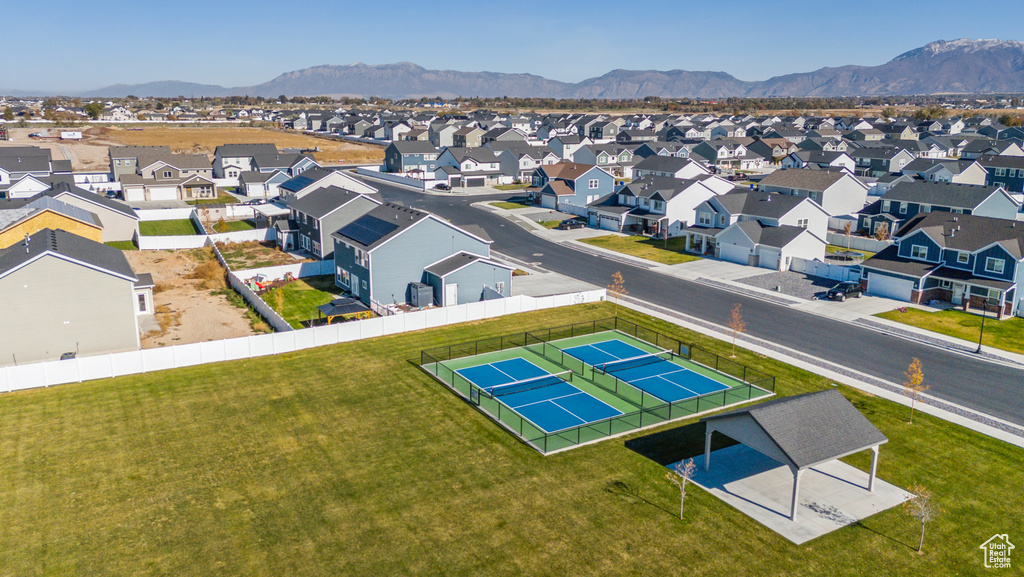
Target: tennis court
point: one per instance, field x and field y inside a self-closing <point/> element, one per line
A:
<point x="549" y="401"/>
<point x="654" y="373"/>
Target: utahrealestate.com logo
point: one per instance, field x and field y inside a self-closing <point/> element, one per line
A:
<point x="997" y="551"/>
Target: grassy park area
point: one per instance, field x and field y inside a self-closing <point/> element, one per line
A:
<point x="1006" y="334"/>
<point x="350" y="460"/>
<point x="297" y="301"/>
<point x="644" y="247"/>
<point x="181" y="227"/>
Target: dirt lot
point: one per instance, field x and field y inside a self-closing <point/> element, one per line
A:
<point x="252" y="254"/>
<point x="186" y="309"/>
<point x="90" y="153"/>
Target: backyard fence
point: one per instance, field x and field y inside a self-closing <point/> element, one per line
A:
<point x="45" y="374"/>
<point x="826" y="270"/>
<point x="858" y="242"/>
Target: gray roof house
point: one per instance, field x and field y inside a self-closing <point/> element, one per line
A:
<point x="36" y="277"/>
<point x="382" y="258"/>
<point x="119" y="222"/>
<point x="837" y="191"/>
<point x="317" y="214"/>
<point x="800" y="432"/>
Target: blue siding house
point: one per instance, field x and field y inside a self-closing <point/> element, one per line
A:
<point x="906" y="200"/>
<point x="410" y="156"/>
<point x="570" y="182"/>
<point x="971" y="261"/>
<point x="380" y="254"/>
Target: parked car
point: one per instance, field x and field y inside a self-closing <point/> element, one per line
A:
<point x="112" y="194"/>
<point x="442" y="186"/>
<point x="571" y="224"/>
<point x="843" y="290"/>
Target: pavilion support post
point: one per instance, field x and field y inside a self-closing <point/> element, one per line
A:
<point x="707" y="448"/>
<point x="796" y="493"/>
<point x="874" y="469"/>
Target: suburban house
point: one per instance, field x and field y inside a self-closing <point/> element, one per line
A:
<point x="1005" y="171"/>
<point x="125" y="159"/>
<point x="837" y="191"/>
<point x="983" y="147"/>
<point x="261" y="184"/>
<point x="880" y="161"/>
<point x="660" y="148"/>
<point x="138" y="188"/>
<point x="819" y="159"/>
<point x="173" y="166"/>
<point x="759" y="229"/>
<point x="569" y="182"/>
<point x="520" y="161"/>
<point x="117" y="220"/>
<point x="23" y="217"/>
<point x="41" y="271"/>
<point x="957" y="258"/>
<point x="473" y="163"/>
<point x="502" y="134"/>
<point x="317" y="214"/>
<point x="316" y="178"/>
<point x="655" y="206"/>
<point x="670" y="166"/>
<point x="410" y="156"/>
<point x="467" y="137"/>
<point x="616" y="159"/>
<point x="948" y="170"/>
<point x="231" y="160"/>
<point x="906" y="200"/>
<point x="728" y="154"/>
<point x="382" y="257"/>
<point x="565" y="146"/>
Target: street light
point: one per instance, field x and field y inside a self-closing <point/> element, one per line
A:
<point x="981" y="335"/>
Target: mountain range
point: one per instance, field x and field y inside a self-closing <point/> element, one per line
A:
<point x="958" y="66"/>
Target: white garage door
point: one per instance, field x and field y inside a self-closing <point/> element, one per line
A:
<point x="769" y="259"/>
<point x="548" y="201"/>
<point x="891" y="287"/>
<point x="735" y="253"/>
<point x="163" y="193"/>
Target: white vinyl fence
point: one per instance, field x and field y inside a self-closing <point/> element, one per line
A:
<point x="170" y="242"/>
<point x="298" y="270"/>
<point x="858" y="242"/>
<point x="573" y="209"/>
<point x="151" y="214"/>
<point x="14" y="378"/>
<point x="826" y="270"/>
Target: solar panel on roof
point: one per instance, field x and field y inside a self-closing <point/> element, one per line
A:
<point x="367" y="229"/>
<point x="298" y="183"/>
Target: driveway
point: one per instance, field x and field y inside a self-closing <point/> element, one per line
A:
<point x="789" y="283"/>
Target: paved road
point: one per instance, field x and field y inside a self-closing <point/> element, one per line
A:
<point x="985" y="386"/>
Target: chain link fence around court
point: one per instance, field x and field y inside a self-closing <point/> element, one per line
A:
<point x="650" y="410"/>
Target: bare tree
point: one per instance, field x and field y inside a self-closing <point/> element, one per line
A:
<point x="847" y="228"/>
<point x="882" y="231"/>
<point x="680" y="475"/>
<point x="921" y="508"/>
<point x="617" y="289"/>
<point x="737" y="324"/>
<point x="914" y="384"/>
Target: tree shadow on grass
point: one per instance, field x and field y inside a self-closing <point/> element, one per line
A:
<point x="674" y="445"/>
<point x="860" y="525"/>
<point x="625" y="490"/>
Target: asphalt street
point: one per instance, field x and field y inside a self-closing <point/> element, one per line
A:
<point x="985" y="386"/>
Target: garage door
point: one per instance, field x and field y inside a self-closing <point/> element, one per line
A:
<point x="734" y="253"/>
<point x="891" y="287"/>
<point x="548" y="201"/>
<point x="769" y="259"/>
<point x="163" y="193"/>
<point x="475" y="181"/>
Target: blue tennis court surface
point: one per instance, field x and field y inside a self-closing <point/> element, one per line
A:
<point x="552" y="404"/>
<point x="662" y="378"/>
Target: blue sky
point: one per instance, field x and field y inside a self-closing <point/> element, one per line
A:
<point x="86" y="45"/>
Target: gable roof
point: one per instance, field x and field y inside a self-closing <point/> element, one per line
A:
<point x="940" y="193"/>
<point x="566" y="170"/>
<point x="63" y="188"/>
<point x="811" y="428"/>
<point x="816" y="180"/>
<point x="323" y="201"/>
<point x="459" y="261"/>
<point x="755" y="203"/>
<point x="379" y="225"/>
<point x="413" y="147"/>
<point x="967" y="232"/>
<point x="68" y="246"/>
<point x="776" y="236"/>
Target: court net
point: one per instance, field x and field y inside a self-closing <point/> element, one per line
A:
<point x="530" y="384"/>
<point x="612" y="367"/>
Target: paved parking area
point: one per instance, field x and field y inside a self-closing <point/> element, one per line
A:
<point x="790" y="283"/>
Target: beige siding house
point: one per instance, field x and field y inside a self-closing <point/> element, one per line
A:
<point x="62" y="293"/>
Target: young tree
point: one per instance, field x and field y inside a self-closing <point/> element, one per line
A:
<point x="680" y="476"/>
<point x="737" y="324"/>
<point x="921" y="508"/>
<point x="8" y="114"/>
<point x="847" y="229"/>
<point x="882" y="231"/>
<point x="915" y="384"/>
<point x="617" y="289"/>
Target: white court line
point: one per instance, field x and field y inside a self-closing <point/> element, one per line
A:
<point x="592" y="397"/>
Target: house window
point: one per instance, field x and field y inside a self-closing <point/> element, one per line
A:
<point x="903" y="207"/>
<point x="1000" y="172"/>
<point x="993" y="296"/>
<point x="142" y="303"/>
<point x="316" y="247"/>
<point x="994" y="265"/>
<point x="364" y="285"/>
<point x="919" y="251"/>
<point x="721" y="220"/>
<point x="925" y="208"/>
<point x="886" y="206"/>
<point x="658" y="205"/>
<point x="704" y="219"/>
<point x="343" y="278"/>
<point x="802" y="223"/>
<point x="167" y="174"/>
<point x="963" y="257"/>
<point x="945" y="284"/>
<point x="362" y="258"/>
<point x="593" y="183"/>
<point x="117" y="163"/>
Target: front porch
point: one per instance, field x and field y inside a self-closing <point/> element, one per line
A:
<point x="702" y="240"/>
<point x="643" y="222"/>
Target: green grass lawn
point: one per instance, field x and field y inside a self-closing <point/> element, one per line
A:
<point x="509" y="205"/>
<point x="549" y="223"/>
<point x="221" y="198"/>
<point x="644" y="247"/>
<point x="234" y="226"/>
<point x="1006" y="334"/>
<point x="122" y="244"/>
<point x="182" y="227"/>
<point x="349" y="460"/>
<point x="832" y="249"/>
<point x="511" y="186"/>
<point x="301" y="298"/>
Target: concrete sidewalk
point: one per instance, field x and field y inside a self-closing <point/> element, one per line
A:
<point x="725" y="276"/>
